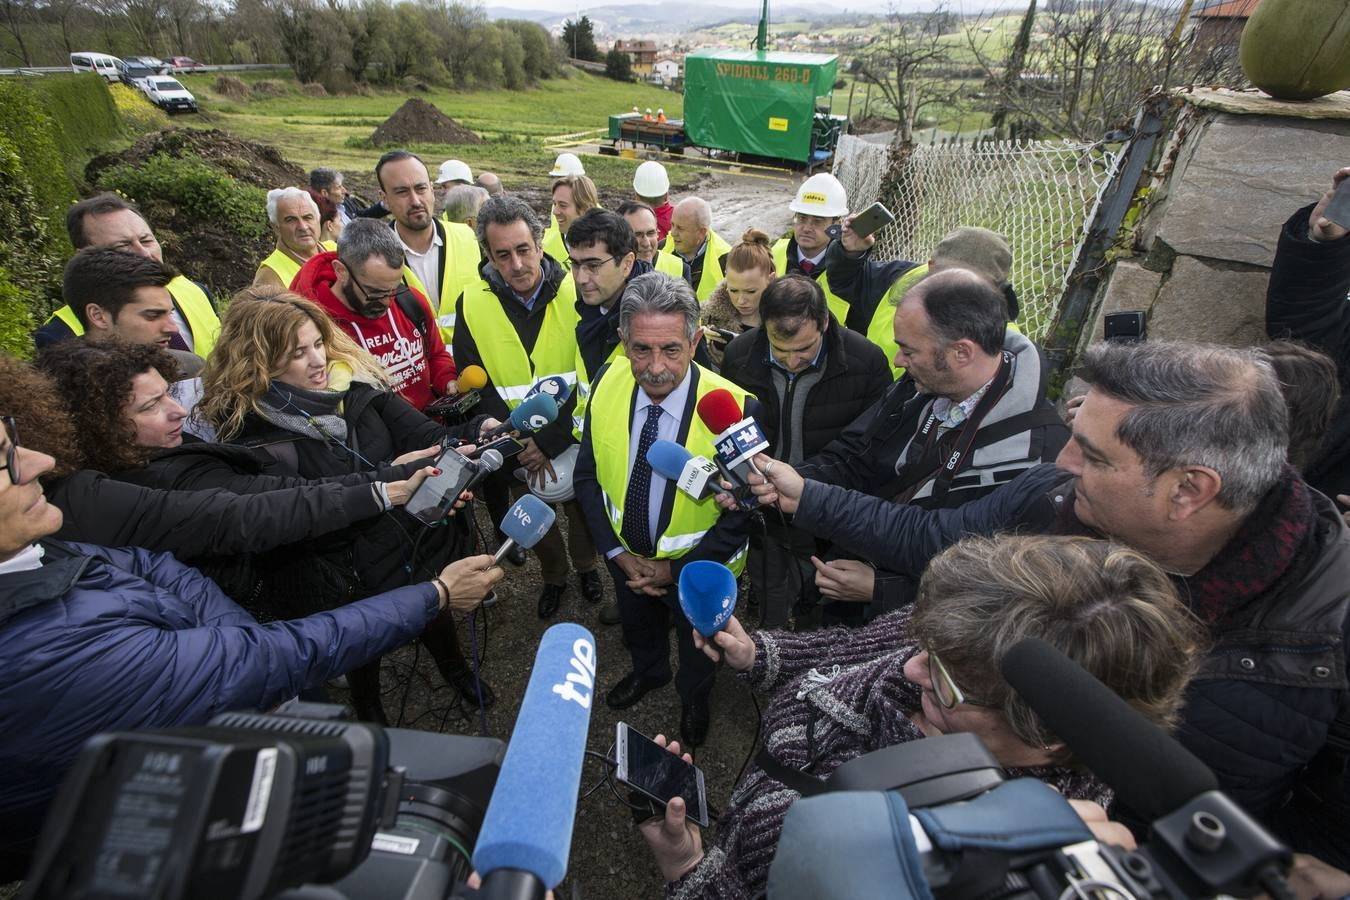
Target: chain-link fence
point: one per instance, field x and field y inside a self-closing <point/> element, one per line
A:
<point x="1037" y="194"/>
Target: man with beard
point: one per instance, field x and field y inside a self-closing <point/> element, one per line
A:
<point x="359" y="285"/>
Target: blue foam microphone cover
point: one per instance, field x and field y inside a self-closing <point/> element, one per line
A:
<point x="528" y="520"/>
<point x="554" y="386"/>
<point x="534" y="413"/>
<point x="528" y="825"/>
<point x="707" y="595"/>
<point x="667" y="459"/>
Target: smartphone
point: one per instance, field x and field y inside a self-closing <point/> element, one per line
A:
<point x="434" y="498"/>
<point x="872" y="219"/>
<point x="655" y="772"/>
<point x="507" y="446"/>
<point x="1338" y="210"/>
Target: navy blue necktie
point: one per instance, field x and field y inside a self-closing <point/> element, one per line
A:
<point x="636" y="529"/>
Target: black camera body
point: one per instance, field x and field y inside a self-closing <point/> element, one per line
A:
<point x="259" y="805"/>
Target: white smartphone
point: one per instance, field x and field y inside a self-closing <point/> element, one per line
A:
<point x="655" y="772"/>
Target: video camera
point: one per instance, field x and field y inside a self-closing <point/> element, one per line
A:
<point x="257" y="805"/>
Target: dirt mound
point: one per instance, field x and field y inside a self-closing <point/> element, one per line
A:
<point x="418" y="122"/>
<point x="256" y="164"/>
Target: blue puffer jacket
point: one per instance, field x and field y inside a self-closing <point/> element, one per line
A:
<point x="100" y="640"/>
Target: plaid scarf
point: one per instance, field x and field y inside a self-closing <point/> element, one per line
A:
<point x="1270" y="553"/>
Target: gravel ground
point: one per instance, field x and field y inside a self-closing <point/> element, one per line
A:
<point x="609" y="860"/>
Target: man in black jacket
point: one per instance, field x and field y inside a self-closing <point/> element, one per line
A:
<point x="1307" y="300"/>
<point x="969" y="414"/>
<point x="1179" y="451"/>
<point x="812" y="377"/>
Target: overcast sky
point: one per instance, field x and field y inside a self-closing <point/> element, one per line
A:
<point x="565" y="6"/>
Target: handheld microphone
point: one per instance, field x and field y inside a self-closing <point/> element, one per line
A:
<point x="707" y="595"/>
<point x="527" y="418"/>
<point x="523" y="847"/>
<point x="691" y="474"/>
<point x="470" y="381"/>
<point x="488" y="462"/>
<point x="554" y="386"/>
<point x="525" y="523"/>
<point x="737" y="440"/>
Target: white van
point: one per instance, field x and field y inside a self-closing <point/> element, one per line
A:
<point x="101" y="63"/>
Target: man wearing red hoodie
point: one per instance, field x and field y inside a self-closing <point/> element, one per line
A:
<point x="359" y="286"/>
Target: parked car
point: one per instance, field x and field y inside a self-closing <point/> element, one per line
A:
<point x="99" y="63"/>
<point x="132" y="74"/>
<point x="180" y="64"/>
<point x="169" y="95"/>
<point x="153" y="63"/>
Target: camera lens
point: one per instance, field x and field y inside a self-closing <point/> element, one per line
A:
<point x="436" y="811"/>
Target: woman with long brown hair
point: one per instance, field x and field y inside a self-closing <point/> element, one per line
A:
<point x="733" y="307"/>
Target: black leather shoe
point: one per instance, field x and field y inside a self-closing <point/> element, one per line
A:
<point x="463" y="683"/>
<point x="694" y="717"/>
<point x="610" y="615"/>
<point x="550" y="599"/>
<point x="517" y="555"/>
<point x="591" y="586"/>
<point x="632" y="688"/>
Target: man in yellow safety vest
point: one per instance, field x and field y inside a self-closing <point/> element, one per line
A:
<point x="293" y="217"/>
<point x="692" y="237"/>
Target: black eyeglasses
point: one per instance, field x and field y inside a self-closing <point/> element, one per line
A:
<point x="12" y="451"/>
<point x="367" y="294"/>
<point x="591" y="266"/>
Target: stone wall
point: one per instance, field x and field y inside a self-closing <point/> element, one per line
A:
<point x="1235" y="166"/>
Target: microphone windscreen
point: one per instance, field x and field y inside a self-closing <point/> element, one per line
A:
<point x="718" y="410"/>
<point x="1150" y="772"/>
<point x="534" y="413"/>
<point x="490" y="461"/>
<point x="667" y="459"/>
<point x="528" y="825"/>
<point x="471" y="378"/>
<point x="554" y="386"/>
<point x="528" y="520"/>
<point x="707" y="595"/>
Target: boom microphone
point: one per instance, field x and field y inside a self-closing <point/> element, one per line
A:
<point x="692" y="474"/>
<point x="527" y="418"/>
<point x="737" y="440"/>
<point x="525" y="523"/>
<point x="523" y="847"/>
<point x="1150" y="772"/>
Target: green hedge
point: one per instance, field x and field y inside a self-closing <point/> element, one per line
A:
<point x="38" y="139"/>
<point x="199" y="191"/>
<point x="83" y="109"/>
<point x="30" y="257"/>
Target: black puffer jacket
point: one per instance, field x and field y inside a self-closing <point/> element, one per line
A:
<point x="1307" y="300"/>
<point x="1260" y="711"/>
<point x="854" y="374"/>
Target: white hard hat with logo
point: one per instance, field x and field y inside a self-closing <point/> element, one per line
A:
<point x="454" y="170"/>
<point x="651" y="180"/>
<point x="821" y="195"/>
<point x="560" y="490"/>
<point x="567" y="164"/>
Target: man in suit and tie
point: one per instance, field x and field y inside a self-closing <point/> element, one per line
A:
<point x="645" y="527"/>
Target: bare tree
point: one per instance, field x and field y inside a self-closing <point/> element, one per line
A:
<point x="65" y="13"/>
<point x="183" y="16"/>
<point x="910" y="64"/>
<point x="144" y="17"/>
<point x="303" y="29"/>
<point x="17" y="14"/>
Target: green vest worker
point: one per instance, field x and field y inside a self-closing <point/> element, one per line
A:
<point x="692" y="237"/>
<point x="293" y="217"/>
<point x="108" y="221"/>
<point x="646" y="528"/>
<point x="518" y="323"/>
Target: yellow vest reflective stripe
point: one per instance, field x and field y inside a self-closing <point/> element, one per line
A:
<point x="584" y="389"/>
<point x="669" y="263"/>
<point x="554" y="245"/>
<point x="838" y="305"/>
<point x="611" y="410"/>
<point x="191" y="301"/>
<point x="712" y="263"/>
<point x="462" y="259"/>
<point x="285" y="268"/>
<point x="512" y="370"/>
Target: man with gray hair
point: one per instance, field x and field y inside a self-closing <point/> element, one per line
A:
<point x="1179" y="452"/>
<point x="460" y="204"/>
<point x="293" y="217"/>
<point x="691" y="236"/>
<point x="360" y="286"/>
<point x="518" y="324"/>
<point x="646" y="528"/>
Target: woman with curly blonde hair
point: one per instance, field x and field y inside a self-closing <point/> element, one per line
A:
<point x="285" y="380"/>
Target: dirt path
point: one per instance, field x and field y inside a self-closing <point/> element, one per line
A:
<point x="744" y="201"/>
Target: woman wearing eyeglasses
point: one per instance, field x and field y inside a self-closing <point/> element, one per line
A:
<point x="934" y="669"/>
<point x="284" y="380"/>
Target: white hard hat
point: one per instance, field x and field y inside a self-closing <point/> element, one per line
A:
<point x="454" y="170"/>
<point x="651" y="180"/>
<point x="820" y="195"/>
<point x="567" y="164"/>
<point x="559" y="491"/>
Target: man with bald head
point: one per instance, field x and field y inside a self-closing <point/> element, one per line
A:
<point x="692" y="238"/>
<point x="969" y="413"/>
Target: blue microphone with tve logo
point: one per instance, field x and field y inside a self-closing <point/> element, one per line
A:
<point x="707" y="595"/>
<point x="525" y="523"/>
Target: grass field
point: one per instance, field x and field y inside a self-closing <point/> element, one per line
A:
<point x="330" y="130"/>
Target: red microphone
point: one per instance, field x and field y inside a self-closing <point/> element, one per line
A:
<point x="736" y="443"/>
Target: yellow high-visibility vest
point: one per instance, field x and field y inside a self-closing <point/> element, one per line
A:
<point x="512" y="370"/>
<point x="712" y="264"/>
<point x="838" y="305"/>
<point x="191" y="301"/>
<point x="460" y="262"/>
